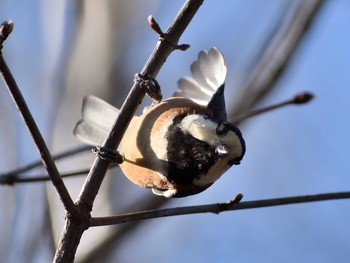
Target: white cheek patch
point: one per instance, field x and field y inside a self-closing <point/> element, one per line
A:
<point x="204" y="130"/>
<point x="200" y="128"/>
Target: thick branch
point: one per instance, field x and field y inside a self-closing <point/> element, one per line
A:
<point x="214" y="208"/>
<point x="136" y="94"/>
<point x="71" y="234"/>
<point x="31" y="125"/>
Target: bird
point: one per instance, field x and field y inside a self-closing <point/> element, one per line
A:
<point x="179" y="146"/>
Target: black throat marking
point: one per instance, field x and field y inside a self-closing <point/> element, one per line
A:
<point x="187" y="156"/>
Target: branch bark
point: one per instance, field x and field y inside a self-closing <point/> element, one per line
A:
<point x="5" y="30"/>
<point x="76" y="225"/>
<point x="214" y="208"/>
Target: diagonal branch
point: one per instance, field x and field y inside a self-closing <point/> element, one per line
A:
<point x="75" y="226"/>
<point x="136" y="94"/>
<point x="5" y="30"/>
<point x="214" y="208"/>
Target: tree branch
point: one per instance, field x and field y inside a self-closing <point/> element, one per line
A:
<point x="300" y="98"/>
<point x="5" y="30"/>
<point x="214" y="208"/>
<point x="75" y="226"/>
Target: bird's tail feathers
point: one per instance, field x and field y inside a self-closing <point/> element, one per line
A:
<point x="97" y="119"/>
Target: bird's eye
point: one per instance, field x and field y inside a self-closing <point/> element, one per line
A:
<point x="222" y="129"/>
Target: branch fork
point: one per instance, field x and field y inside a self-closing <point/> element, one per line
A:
<point x="164" y="37"/>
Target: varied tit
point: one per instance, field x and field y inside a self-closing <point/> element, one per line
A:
<point x="180" y="146"/>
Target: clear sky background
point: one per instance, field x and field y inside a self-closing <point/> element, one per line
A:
<point x="297" y="150"/>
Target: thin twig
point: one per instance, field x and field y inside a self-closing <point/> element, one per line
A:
<point x="273" y="60"/>
<point x="5" y="30"/>
<point x="11" y="179"/>
<point x="55" y="157"/>
<point x="75" y="227"/>
<point x="300" y="98"/>
<point x="214" y="208"/>
<point x="31" y="125"/>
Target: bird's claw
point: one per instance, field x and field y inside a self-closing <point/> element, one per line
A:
<point x="151" y="85"/>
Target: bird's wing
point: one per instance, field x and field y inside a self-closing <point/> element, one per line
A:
<point x="206" y="86"/>
<point x="97" y="119"/>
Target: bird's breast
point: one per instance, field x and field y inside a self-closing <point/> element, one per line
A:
<point x="146" y="147"/>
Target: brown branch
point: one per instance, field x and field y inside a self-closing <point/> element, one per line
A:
<point x="300" y="98"/>
<point x="75" y="226"/>
<point x="106" y="246"/>
<point x="5" y="30"/>
<point x="214" y="208"/>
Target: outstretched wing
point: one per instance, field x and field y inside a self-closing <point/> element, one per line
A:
<point x="206" y="86"/>
<point x="97" y="119"/>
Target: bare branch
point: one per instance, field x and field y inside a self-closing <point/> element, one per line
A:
<point x="27" y="117"/>
<point x="75" y="227"/>
<point x="300" y="98"/>
<point x="163" y="37"/>
<point x="5" y="30"/>
<point x="214" y="208"/>
<point x="131" y="103"/>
